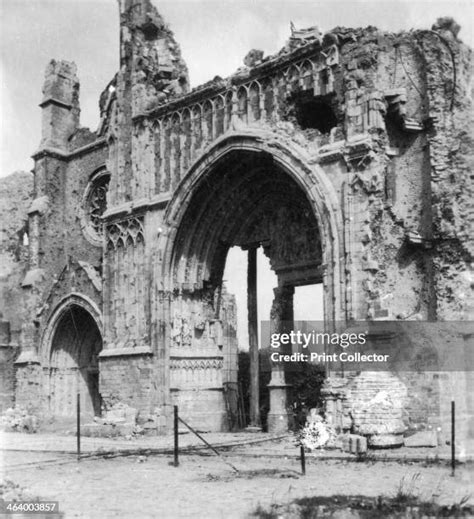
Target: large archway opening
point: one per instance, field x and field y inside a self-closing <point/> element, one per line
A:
<point x="73" y="364"/>
<point x="245" y="200"/>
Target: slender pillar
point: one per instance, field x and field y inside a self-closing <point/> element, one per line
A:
<point x="281" y="318"/>
<point x="253" y="337"/>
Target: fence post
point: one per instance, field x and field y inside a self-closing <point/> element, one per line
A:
<point x="176" y="460"/>
<point x="303" y="460"/>
<point x="453" y="437"/>
<point x="78" y="425"/>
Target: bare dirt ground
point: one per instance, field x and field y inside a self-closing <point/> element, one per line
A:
<point x="205" y="487"/>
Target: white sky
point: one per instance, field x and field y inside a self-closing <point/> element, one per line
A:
<point x="214" y="36"/>
<point x="307" y="301"/>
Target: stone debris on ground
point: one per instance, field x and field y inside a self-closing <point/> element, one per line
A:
<point x="18" y="419"/>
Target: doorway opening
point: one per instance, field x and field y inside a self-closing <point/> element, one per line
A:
<point x="247" y="210"/>
<point x="74" y="367"/>
<point x="235" y="280"/>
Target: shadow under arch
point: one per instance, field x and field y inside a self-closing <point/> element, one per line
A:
<point x="70" y="346"/>
<point x="231" y="196"/>
<point x="310" y="178"/>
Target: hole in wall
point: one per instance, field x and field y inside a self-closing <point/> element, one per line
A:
<point x="316" y="115"/>
<point x="150" y="31"/>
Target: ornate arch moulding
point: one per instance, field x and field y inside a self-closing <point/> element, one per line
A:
<point x="73" y="299"/>
<point x="293" y="160"/>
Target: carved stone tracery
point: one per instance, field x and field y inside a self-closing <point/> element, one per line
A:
<point x="125" y="232"/>
<point x="97" y="204"/>
<point x="125" y="271"/>
<point x="192" y="364"/>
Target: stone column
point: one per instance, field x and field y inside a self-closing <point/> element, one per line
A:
<point x="253" y="337"/>
<point x="281" y="317"/>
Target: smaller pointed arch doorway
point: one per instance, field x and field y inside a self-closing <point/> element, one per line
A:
<point x="73" y="364"/>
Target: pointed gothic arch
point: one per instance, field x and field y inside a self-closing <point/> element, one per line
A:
<point x="70" y="348"/>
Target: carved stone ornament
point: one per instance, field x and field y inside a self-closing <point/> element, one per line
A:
<point x="95" y="204"/>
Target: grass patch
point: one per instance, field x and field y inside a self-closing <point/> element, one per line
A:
<point x="401" y="505"/>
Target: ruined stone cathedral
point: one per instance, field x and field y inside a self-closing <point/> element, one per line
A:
<point x="347" y="157"/>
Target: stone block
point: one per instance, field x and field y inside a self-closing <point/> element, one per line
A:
<point x="422" y="439"/>
<point x="251" y="429"/>
<point x="386" y="441"/>
<point x="121" y="413"/>
<point x="98" y="430"/>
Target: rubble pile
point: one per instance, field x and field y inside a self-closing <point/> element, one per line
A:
<point x="18" y="420"/>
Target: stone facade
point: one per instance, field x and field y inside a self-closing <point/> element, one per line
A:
<point x="346" y="156"/>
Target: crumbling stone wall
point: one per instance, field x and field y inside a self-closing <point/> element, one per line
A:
<point x="61" y="258"/>
<point x="426" y="212"/>
<point x="15" y="198"/>
<point x="449" y="76"/>
<point x="16" y="192"/>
